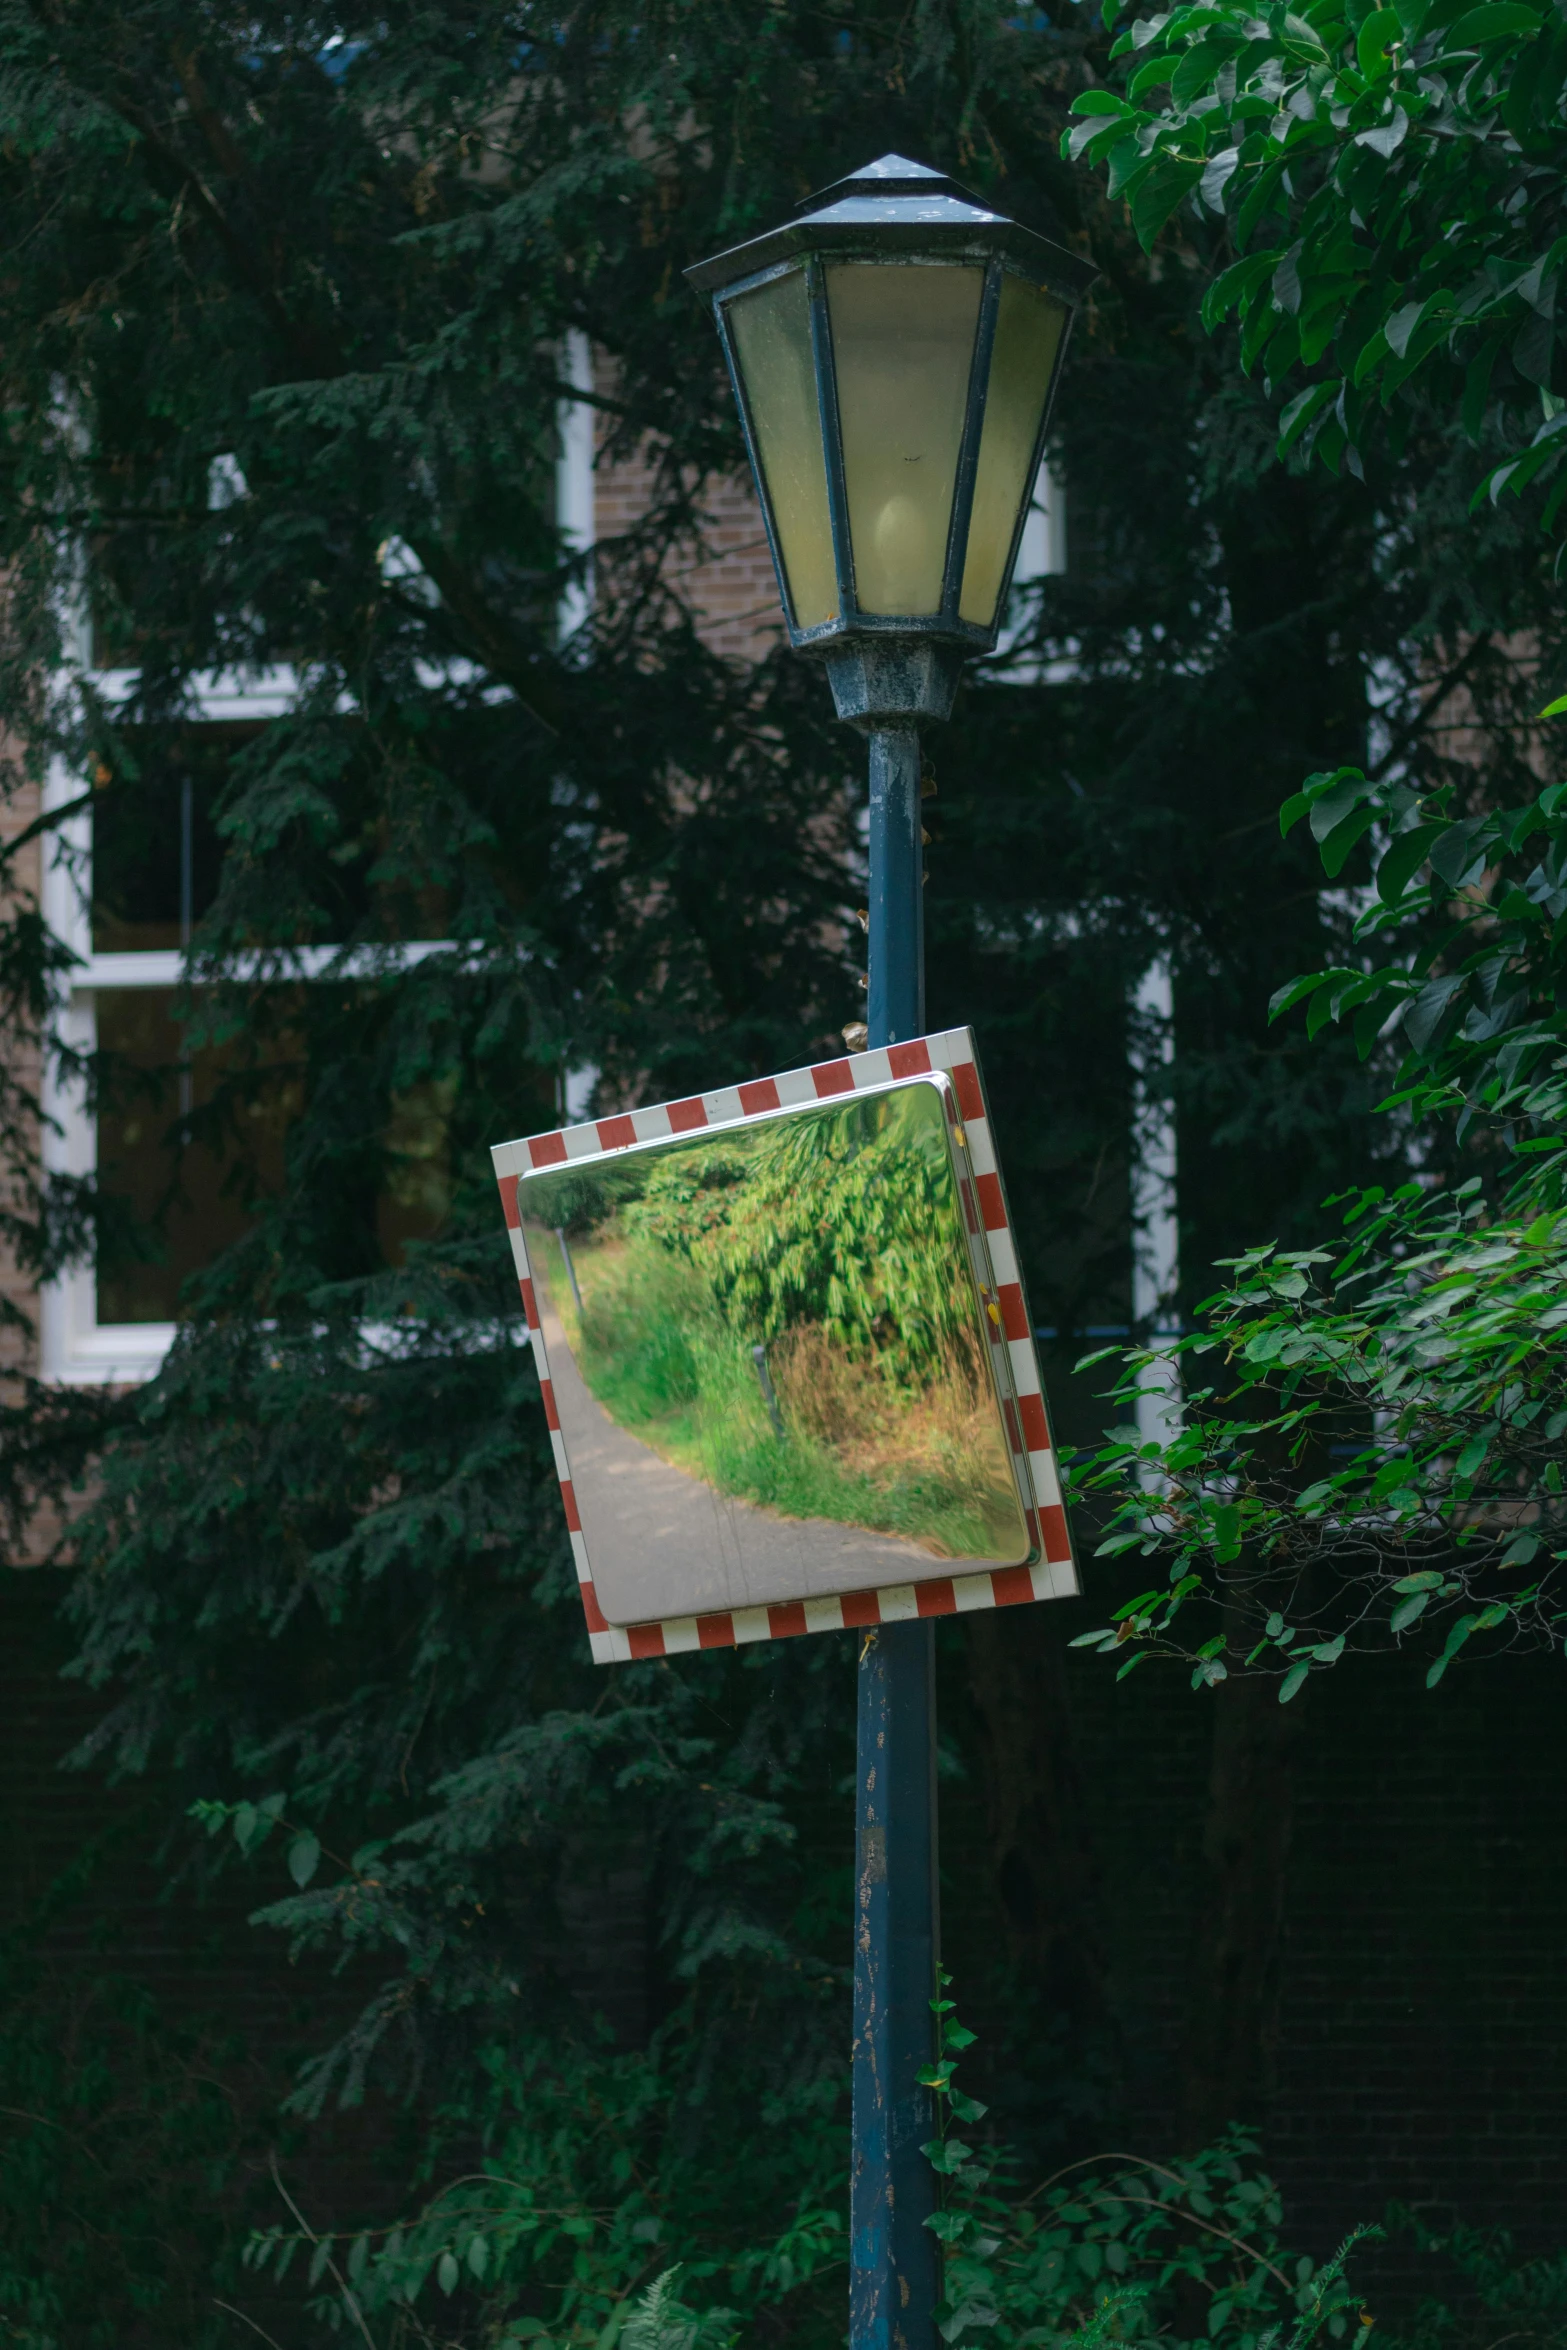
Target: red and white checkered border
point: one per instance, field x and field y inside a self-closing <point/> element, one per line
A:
<point x="1053" y="1576"/>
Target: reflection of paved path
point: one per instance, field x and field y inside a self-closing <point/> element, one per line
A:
<point x="662" y="1543"/>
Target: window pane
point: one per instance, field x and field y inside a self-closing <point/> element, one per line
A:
<point x="340" y="865"/>
<point x="180" y="1209"/>
<point x="903" y="344"/>
<point x="771" y="332"/>
<point x="1028" y="336"/>
<point x="183" y="1207"/>
<point x="169" y="779"/>
<point x="416" y="1188"/>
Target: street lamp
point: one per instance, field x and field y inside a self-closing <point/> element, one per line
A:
<point x="894" y="350"/>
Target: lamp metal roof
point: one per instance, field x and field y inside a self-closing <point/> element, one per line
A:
<point x="896" y="206"/>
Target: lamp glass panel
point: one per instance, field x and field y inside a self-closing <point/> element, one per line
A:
<point x="903" y="346"/>
<point x="771" y="333"/>
<point x="1029" y="325"/>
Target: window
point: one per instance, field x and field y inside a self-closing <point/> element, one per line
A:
<point x="124" y="883"/>
<point x="123" y="886"/>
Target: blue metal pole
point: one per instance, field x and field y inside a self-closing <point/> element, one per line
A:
<point x="896" y="1008"/>
<point x="894" y="2276"/>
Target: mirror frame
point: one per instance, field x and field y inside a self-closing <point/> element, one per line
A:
<point x="1052" y="1572"/>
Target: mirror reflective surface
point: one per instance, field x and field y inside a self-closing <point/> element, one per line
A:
<point x="773" y="1358"/>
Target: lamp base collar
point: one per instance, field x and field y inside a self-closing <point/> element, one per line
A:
<point x="878" y="680"/>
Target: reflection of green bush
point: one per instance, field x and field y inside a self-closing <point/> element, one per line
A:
<point x="640" y="1336"/>
<point x="580" y="1199"/>
<point x="827" y="1218"/>
<point x="666" y="1363"/>
<point x="832" y="1239"/>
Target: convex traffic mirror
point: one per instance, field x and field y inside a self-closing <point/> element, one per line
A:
<point x="786" y="1365"/>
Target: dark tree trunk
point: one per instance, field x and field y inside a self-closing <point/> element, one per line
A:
<point x="1228" y="2052"/>
<point x="1044" y="1867"/>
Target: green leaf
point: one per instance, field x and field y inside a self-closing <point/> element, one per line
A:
<point x="1402" y="860"/>
<point x="1151" y="74"/>
<point x="1477" y="382"/>
<point x="447" y="2272"/>
<point x="1343" y="838"/>
<point x="1284" y="999"/>
<point x="1426" y="1013"/>
<point x="1293" y="1680"/>
<point x="1408" y="1611"/>
<point x="1127" y="164"/>
<point x="1135" y="1607"/>
<point x="1555" y="709"/>
<point x="1496" y="20"/>
<point x="1472" y="1457"/>
<point x="1455" y="1641"/>
<point x="1329" y="809"/>
<point x="1302" y="411"/>
<point x="1374" y="39"/>
<point x="1234" y="287"/>
<point x="303" y="1855"/>
<point x="478" y="2255"/>
<point x="1168" y="179"/>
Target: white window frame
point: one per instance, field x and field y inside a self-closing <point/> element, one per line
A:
<point x="75" y="1348"/>
<point x="576" y="424"/>
<point x="1041" y="554"/>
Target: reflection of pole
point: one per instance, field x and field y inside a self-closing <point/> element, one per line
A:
<point x="769" y="1392"/>
<point x="894" y="2261"/>
<point x="571" y="1270"/>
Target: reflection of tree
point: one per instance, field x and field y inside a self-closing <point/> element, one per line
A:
<point x="842" y="1218"/>
<point x="580" y="1199"/>
<point x="831" y="1238"/>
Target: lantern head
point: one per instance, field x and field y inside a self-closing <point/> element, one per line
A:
<point x="894" y="351"/>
